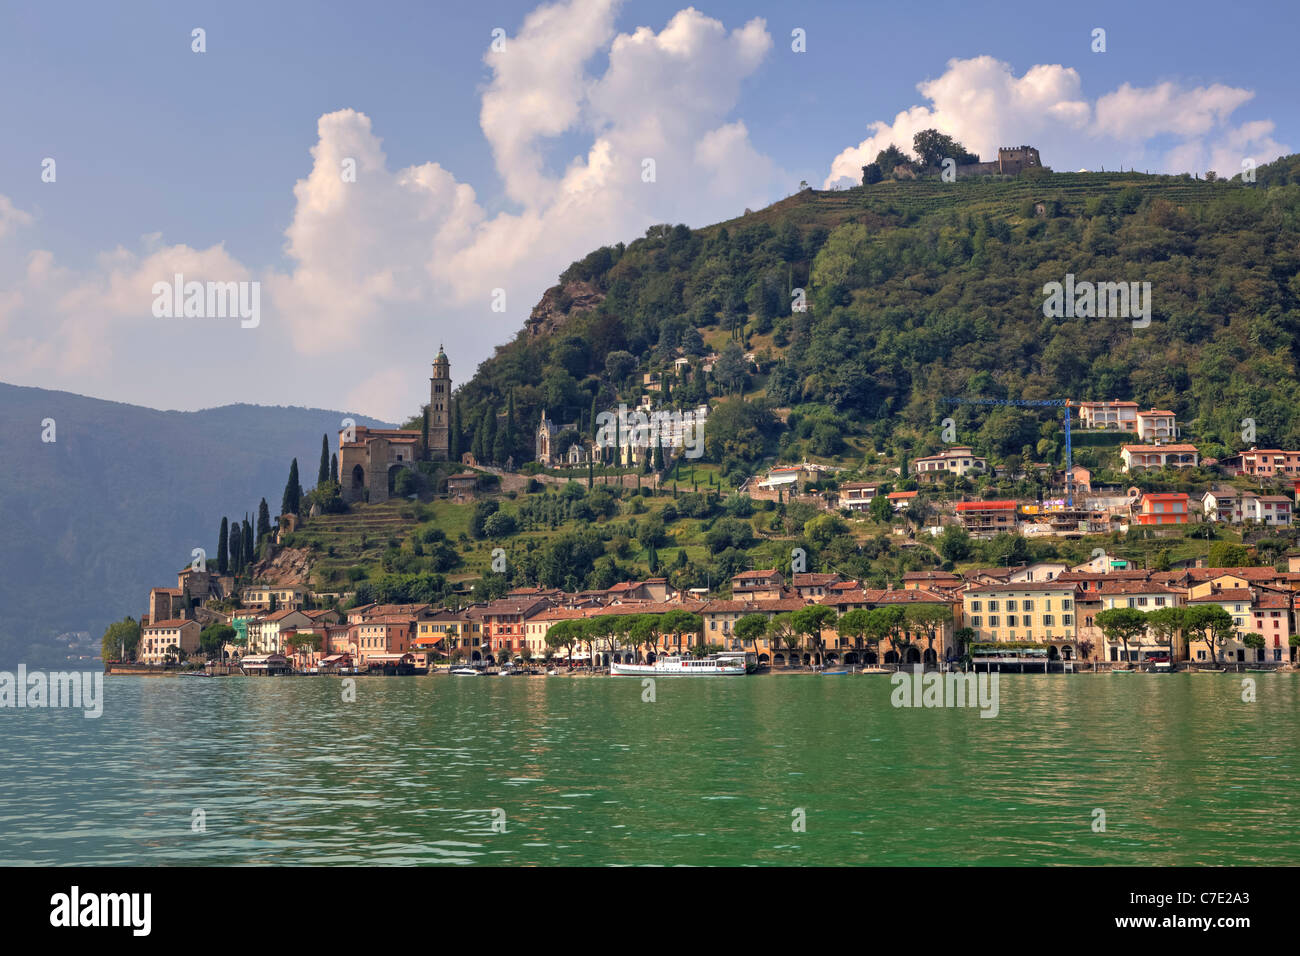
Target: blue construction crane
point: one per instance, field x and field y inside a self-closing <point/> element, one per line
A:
<point x="1047" y="403"/>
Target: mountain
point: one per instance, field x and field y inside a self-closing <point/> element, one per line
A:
<point x="117" y="502"/>
<point x="921" y="290"/>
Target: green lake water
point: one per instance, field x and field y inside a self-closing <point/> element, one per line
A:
<point x="714" y="771"/>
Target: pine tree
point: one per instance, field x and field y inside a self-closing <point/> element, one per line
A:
<point x="323" y="474"/>
<point x="223" y="545"/>
<point x="292" y="492"/>
<point x="334" y="469"/>
<point x="263" y="520"/>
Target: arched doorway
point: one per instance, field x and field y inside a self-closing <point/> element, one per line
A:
<point x="850" y="657"/>
<point x="913" y="655"/>
<point x="358" y="478"/>
<point x="778" y="660"/>
<point x="392" y="479"/>
<point x="891" y="657"/>
<point x="1067" y="652"/>
<point x="930" y="657"/>
<point x="1052" y="653"/>
<point x="763" y="660"/>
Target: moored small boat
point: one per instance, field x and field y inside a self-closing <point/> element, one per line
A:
<point x="465" y="672"/>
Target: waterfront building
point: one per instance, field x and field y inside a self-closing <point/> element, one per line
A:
<point x="1026" y="613"/>
<point x="158" y="638"/>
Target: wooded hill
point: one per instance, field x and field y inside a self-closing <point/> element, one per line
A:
<point x="917" y="290"/>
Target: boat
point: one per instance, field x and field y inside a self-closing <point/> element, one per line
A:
<point x="873" y="670"/>
<point x="1206" y="670"/>
<point x="675" y="666"/>
<point x="465" y="672"/>
<point x="833" y="673"/>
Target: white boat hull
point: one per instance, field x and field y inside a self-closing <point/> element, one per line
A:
<point x="677" y="669"/>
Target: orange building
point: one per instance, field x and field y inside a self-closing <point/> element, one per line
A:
<point x="1166" y="507"/>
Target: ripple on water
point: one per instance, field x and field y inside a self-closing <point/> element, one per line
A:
<point x="283" y="773"/>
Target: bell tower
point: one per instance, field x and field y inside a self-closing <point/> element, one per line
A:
<point x="440" y="408"/>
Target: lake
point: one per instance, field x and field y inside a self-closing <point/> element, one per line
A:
<point x="788" y="770"/>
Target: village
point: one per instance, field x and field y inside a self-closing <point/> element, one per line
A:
<point x="1044" y="614"/>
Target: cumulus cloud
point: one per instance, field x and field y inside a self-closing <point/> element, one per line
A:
<point x="383" y="269"/>
<point x="407" y="255"/>
<point x="984" y="105"/>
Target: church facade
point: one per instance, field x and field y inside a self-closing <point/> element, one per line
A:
<point x="371" y="458"/>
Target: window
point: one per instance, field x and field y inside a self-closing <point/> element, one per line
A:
<point x="1047" y="620"/>
<point x="1026" y="605"/>
<point x="993" y="605"/>
<point x="1066" y="604"/>
<point x="1011" y="605"/>
<point x="993" y="621"/>
<point x="1011" y="620"/>
<point x="975" y="622"/>
<point x="1067" y="619"/>
<point x="974" y="605"/>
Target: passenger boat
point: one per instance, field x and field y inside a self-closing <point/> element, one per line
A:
<point x="675" y="666"/>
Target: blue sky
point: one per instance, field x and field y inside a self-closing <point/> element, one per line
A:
<point x="160" y="150"/>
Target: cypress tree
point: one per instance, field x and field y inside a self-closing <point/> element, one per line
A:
<point x="476" y="446"/>
<point x="263" y="520"/>
<point x="236" y="548"/>
<point x="292" y="492"/>
<point x="591" y="472"/>
<point x="454" y="444"/>
<point x="334" y="469"/>
<point x="489" y="434"/>
<point x="248" y="541"/>
<point x="223" y="545"/>
<point x="424" y="434"/>
<point x="653" y="559"/>
<point x="323" y="473"/>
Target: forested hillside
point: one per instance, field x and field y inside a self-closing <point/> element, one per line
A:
<point x="920" y="290"/>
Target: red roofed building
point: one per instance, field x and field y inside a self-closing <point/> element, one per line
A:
<point x="983" y="519"/>
<point x="1158" y="456"/>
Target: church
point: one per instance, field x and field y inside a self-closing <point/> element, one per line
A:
<point x="370" y="458"/>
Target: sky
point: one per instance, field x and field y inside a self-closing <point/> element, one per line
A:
<point x="392" y="177"/>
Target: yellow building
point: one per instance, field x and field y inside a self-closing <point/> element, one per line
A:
<point x="1024" y="612"/>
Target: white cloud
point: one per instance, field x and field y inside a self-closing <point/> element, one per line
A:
<point x="984" y="105"/>
<point x="11" y="217"/>
<point x="409" y="255"/>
